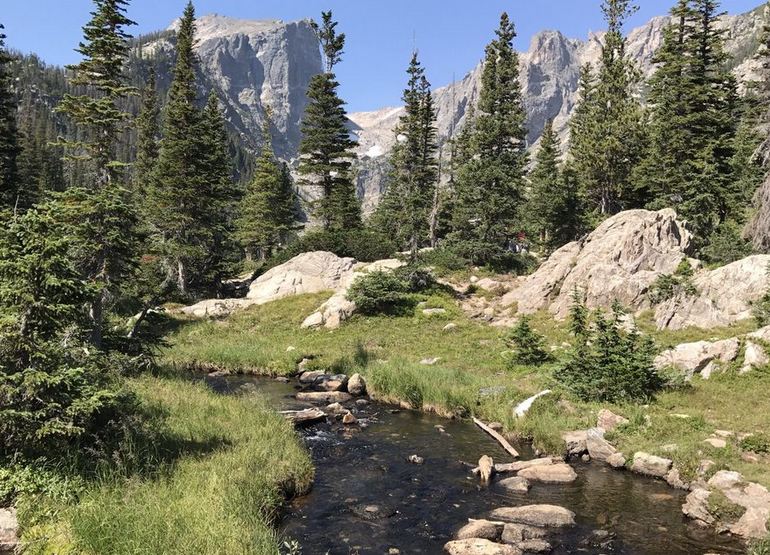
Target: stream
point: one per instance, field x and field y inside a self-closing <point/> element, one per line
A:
<point x="368" y="499"/>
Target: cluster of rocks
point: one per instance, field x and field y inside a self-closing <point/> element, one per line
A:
<point x="512" y="531"/>
<point x="334" y="390"/>
<point x="751" y="500"/>
<point x="704" y="357"/>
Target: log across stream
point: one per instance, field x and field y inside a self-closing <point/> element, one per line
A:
<point x="368" y="498"/>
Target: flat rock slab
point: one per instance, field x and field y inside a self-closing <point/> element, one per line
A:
<point x="481" y="529"/>
<point x="516" y="533"/>
<point x="480" y="546"/>
<point x="550" y="474"/>
<point x="305" y="417"/>
<point x="650" y="465"/>
<point x="546" y="516"/>
<point x="517" y="484"/>
<point x="324" y="396"/>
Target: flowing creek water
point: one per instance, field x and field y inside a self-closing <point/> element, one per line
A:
<point x="368" y="499"/>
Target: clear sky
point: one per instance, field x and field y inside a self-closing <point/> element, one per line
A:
<point x="450" y="34"/>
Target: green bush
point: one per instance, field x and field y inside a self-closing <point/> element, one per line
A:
<point x="529" y="346"/>
<point x="668" y="286"/>
<point x="443" y="260"/>
<point x="492" y="255"/>
<point x="381" y="292"/>
<point x="608" y="364"/>
<point x="726" y="245"/>
<point x="756" y="443"/>
<point x="365" y="245"/>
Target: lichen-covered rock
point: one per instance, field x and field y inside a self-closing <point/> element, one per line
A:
<point x="544" y="516"/>
<point x="618" y="261"/>
<point x="724" y="296"/>
<point x="608" y="420"/>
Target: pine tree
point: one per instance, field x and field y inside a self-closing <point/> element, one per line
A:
<point x="267" y="210"/>
<point x="490" y="181"/>
<point x="326" y="146"/>
<point x="147" y="136"/>
<point x="607" y="132"/>
<point x="9" y="142"/>
<point x="694" y="105"/>
<point x="100" y="213"/>
<point x="177" y="185"/>
<point x="545" y="180"/>
<point x="219" y="197"/>
<point x="405" y="209"/>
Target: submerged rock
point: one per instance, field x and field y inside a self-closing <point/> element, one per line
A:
<point x="516" y="484"/>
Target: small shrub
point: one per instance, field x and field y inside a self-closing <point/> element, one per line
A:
<point x="756" y="443"/>
<point x="759" y="547"/>
<point x="761" y="308"/>
<point x="444" y="260"/>
<point x="608" y="364"/>
<point x="726" y="245"/>
<point x="381" y="292"/>
<point x="529" y="346"/>
<point x="415" y="278"/>
<point x="493" y="256"/>
<point x="365" y="245"/>
<point x="668" y="286"/>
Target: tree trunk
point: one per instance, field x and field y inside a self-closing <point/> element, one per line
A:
<point x="181" y="277"/>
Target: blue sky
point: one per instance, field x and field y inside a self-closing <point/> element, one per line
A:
<point x="450" y="34"/>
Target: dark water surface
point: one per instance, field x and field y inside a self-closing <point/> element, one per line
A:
<point x="367" y="499"/>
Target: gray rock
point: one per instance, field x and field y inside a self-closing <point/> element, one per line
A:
<point x="357" y="385"/>
<point x="692" y="358"/>
<point x="616" y="460"/>
<point x="544" y="516"/>
<point x="575" y="442"/>
<point x="535" y="546"/>
<point x="550" y="474"/>
<point x="608" y="420"/>
<point x="433" y="311"/>
<point x="674" y="479"/>
<point x="650" y="465"/>
<point x="598" y="447"/>
<point x="516" y="484"/>
<point x="479" y="546"/>
<point x="516" y="533"/>
<point x="327" y="397"/>
<point x="482" y="529"/>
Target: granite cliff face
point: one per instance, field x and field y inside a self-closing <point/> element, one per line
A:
<point x="255" y="64"/>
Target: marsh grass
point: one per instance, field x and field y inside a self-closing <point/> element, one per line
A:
<point x="221" y="498"/>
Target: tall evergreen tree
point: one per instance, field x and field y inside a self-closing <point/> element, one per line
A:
<point x="101" y="215"/>
<point x="9" y="142"/>
<point x="177" y="184"/>
<point x="544" y="185"/>
<point x="405" y="209"/>
<point x="326" y="146"/>
<point x="147" y="136"/>
<point x="694" y="105"/>
<point x="607" y="132"/>
<point x="490" y="180"/>
<point x="267" y="210"/>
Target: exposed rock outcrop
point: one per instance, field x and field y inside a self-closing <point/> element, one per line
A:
<point x="9" y="531"/>
<point x="724" y="296"/>
<point x="619" y="260"/>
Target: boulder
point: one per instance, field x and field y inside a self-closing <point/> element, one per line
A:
<point x="349" y="419"/>
<point x="326" y="397"/>
<point x="357" y="385"/>
<point x="608" y="420"/>
<point x="481" y="529"/>
<point x="754" y="357"/>
<point x="535" y="546"/>
<point x="674" y="479"/>
<point x="9" y="531"/>
<point x="337" y="382"/>
<point x="575" y="442"/>
<point x="480" y="546"/>
<point x="516" y="484"/>
<point x="696" y="506"/>
<point x="309" y="377"/>
<point x="724" y="296"/>
<point x="543" y="516"/>
<point x="550" y="474"/>
<point x="310" y="272"/>
<point x="332" y="313"/>
<point x="517" y="533"/>
<point x="692" y="358"/>
<point x="598" y="448"/>
<point x="715" y="442"/>
<point x="650" y="465"/>
<point x="215" y="308"/>
<point x="616" y="460"/>
<point x="619" y="260"/>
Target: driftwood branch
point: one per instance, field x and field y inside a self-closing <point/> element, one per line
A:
<point x="500" y="439"/>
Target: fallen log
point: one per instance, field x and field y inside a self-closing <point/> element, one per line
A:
<point x="500" y="439"/>
<point x="304" y="417"/>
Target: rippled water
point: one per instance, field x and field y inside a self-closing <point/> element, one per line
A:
<point x="368" y="499"/>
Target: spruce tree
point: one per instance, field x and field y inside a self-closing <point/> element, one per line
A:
<point x="147" y="136"/>
<point x="544" y="185"/>
<point x="267" y="210"/>
<point x="326" y="146"/>
<point x="177" y="185"/>
<point x="694" y="105"/>
<point x="490" y="180"/>
<point x="9" y="142"/>
<point x="100" y="215"/>
<point x="607" y="133"/>
<point x="404" y="212"/>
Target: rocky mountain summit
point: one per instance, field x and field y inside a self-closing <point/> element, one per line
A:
<point x="256" y="64"/>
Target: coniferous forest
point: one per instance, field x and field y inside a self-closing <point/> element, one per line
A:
<point x="128" y="199"/>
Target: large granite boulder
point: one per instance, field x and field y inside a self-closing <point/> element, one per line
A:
<point x="694" y="358"/>
<point x="724" y="296"/>
<point x="542" y="516"/>
<point x="619" y="260"/>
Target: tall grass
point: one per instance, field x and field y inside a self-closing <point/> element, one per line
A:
<point x="222" y="496"/>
